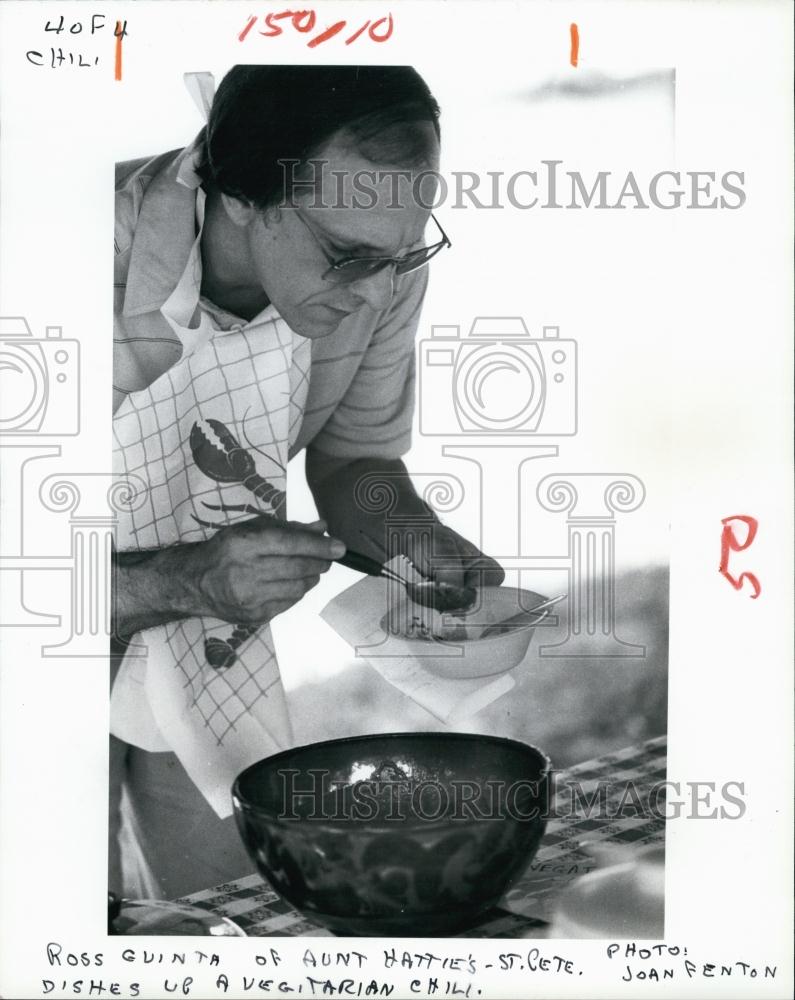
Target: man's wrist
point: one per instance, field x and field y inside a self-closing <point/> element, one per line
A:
<point x="154" y="587"/>
<point x="177" y="580"/>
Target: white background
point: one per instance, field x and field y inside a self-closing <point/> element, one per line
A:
<point x="683" y="320"/>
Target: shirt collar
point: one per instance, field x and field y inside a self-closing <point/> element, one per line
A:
<point x="165" y="264"/>
<point x="188" y="162"/>
<point x="165" y="231"/>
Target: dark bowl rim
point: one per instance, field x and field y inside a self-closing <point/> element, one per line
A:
<point x="240" y="802"/>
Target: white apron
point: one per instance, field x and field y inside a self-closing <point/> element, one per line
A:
<point x="210" y="438"/>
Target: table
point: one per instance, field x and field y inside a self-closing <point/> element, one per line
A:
<point x="626" y="779"/>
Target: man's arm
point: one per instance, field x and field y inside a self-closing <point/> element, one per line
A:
<point x="341" y="488"/>
<point x="374" y="419"/>
<point x="246" y="573"/>
<point x="149" y="588"/>
<point x="334" y="481"/>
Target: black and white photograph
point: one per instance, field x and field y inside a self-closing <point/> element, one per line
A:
<point x="413" y="561"/>
<point x="269" y="286"/>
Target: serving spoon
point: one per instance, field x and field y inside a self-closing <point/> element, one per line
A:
<point x="435" y="594"/>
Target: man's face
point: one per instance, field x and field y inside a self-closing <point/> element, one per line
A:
<point x="289" y="249"/>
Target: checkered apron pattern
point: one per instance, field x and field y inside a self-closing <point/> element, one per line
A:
<point x="210" y="439"/>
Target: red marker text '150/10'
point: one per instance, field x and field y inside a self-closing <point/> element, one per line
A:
<point x="305" y="22"/>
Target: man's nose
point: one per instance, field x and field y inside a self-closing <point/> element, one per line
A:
<point x="377" y="289"/>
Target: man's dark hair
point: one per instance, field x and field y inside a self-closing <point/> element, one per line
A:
<point x="265" y="114"/>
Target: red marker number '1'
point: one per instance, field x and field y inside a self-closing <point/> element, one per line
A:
<point x="730" y="543"/>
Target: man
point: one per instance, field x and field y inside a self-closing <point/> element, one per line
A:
<point x="262" y="307"/>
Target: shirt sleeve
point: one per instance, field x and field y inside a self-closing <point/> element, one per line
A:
<point x="374" y="417"/>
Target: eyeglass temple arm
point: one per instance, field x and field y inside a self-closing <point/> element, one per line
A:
<point x="445" y="237"/>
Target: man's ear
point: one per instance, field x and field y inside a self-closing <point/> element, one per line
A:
<point x="240" y="212"/>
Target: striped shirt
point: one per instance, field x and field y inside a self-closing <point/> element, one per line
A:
<point x="361" y="391"/>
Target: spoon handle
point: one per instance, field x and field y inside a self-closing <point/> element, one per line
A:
<point x="547" y="604"/>
<point x="364" y="564"/>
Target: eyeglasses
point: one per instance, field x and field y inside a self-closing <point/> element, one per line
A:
<point x="351" y="269"/>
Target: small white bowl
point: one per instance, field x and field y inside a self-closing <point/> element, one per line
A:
<point x="474" y="657"/>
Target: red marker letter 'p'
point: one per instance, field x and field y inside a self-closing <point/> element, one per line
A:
<point x="730" y="543"/>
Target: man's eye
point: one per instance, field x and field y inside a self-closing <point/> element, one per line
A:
<point x="345" y="252"/>
<point x="334" y="247"/>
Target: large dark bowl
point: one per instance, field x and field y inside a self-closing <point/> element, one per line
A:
<point x="424" y="855"/>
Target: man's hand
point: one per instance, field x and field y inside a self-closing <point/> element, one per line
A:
<point x="456" y="561"/>
<point x="251" y="571"/>
<point x="247" y="573"/>
<point x="449" y="558"/>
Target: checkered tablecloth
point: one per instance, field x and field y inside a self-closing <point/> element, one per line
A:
<point x="610" y="805"/>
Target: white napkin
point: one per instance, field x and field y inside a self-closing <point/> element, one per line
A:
<point x="356" y="616"/>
